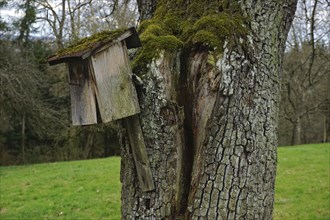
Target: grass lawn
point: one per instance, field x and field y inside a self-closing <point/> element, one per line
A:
<point x="90" y="189"/>
<point x="302" y="189"/>
<point x="87" y="189"/>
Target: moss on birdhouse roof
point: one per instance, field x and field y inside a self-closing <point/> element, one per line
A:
<point x="91" y="42"/>
<point x="86" y="46"/>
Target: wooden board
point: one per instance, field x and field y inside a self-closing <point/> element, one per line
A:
<point x="116" y="95"/>
<point x="139" y="151"/>
<point x="83" y="103"/>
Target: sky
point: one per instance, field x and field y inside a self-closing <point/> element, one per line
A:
<point x="8" y="13"/>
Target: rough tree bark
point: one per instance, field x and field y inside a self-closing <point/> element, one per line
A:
<point x="210" y="125"/>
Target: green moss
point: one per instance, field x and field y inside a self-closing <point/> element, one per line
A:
<point x="206" y="38"/>
<point x="90" y="42"/>
<point x="194" y="25"/>
<point x="213" y="30"/>
<point x="152" y="46"/>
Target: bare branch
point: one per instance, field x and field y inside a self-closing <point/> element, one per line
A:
<point x="312" y="40"/>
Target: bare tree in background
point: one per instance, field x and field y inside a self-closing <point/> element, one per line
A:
<point x="21" y="102"/>
<point x="70" y="20"/>
<point x="305" y="89"/>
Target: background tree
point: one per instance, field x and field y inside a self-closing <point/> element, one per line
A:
<point x="25" y="24"/>
<point x="3" y="25"/>
<point x="305" y="88"/>
<point x="209" y="108"/>
<point x="70" y="20"/>
<point x="24" y="111"/>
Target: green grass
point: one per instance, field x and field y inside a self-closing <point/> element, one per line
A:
<point x="90" y="189"/>
<point x="302" y="189"/>
<point x="87" y="189"/>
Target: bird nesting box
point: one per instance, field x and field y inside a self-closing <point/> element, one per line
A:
<point x="100" y="85"/>
<point x="100" y="77"/>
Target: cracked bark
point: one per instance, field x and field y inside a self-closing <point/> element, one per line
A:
<point x="210" y="128"/>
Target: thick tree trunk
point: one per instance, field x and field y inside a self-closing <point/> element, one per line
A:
<point x="161" y="121"/>
<point x="210" y="126"/>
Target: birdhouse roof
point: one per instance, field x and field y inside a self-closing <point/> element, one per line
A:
<point x="87" y="46"/>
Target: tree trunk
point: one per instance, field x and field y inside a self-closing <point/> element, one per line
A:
<point x="23" y="138"/>
<point x="210" y="126"/>
<point x="296" y="132"/>
<point x="325" y="128"/>
<point x="88" y="145"/>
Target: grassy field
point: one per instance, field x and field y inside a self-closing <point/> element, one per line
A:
<point x="91" y="189"/>
<point x="87" y="189"/>
<point x="302" y="189"/>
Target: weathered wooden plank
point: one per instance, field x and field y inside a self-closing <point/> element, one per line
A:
<point x="139" y="153"/>
<point x="83" y="103"/>
<point x="116" y="95"/>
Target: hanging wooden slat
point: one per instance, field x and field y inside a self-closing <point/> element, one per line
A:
<point x="139" y="151"/>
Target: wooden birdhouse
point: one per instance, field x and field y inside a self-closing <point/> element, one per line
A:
<point x="101" y="88"/>
<point x="100" y="77"/>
